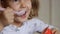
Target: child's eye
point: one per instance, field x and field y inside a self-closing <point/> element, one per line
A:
<point x="15" y="0"/>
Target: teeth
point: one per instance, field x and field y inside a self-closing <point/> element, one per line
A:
<point x="19" y="13"/>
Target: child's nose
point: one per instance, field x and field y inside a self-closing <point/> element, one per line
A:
<point x="23" y="5"/>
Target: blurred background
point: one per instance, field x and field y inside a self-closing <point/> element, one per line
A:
<point x="49" y="12"/>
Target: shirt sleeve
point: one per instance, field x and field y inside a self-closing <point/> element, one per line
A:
<point x="40" y="25"/>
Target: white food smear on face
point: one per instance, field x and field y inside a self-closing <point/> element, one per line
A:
<point x="2" y="9"/>
<point x="19" y="13"/>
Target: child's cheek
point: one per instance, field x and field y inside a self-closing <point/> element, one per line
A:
<point x="29" y="5"/>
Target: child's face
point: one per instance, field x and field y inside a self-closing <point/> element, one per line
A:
<point x="21" y="9"/>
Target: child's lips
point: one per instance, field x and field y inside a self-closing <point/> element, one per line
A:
<point x="20" y="13"/>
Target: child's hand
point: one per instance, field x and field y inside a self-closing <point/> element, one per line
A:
<point x="9" y="15"/>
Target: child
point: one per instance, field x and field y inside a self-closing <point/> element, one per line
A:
<point x="21" y="17"/>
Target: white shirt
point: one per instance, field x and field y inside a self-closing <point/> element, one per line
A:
<point x="28" y="27"/>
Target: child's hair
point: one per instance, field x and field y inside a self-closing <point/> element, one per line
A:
<point x="34" y="10"/>
<point x="35" y="7"/>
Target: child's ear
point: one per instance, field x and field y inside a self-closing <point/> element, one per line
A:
<point x="9" y="15"/>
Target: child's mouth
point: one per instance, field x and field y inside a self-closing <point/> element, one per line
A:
<point x="21" y="13"/>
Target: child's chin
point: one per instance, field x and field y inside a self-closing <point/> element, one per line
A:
<point x="21" y="19"/>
